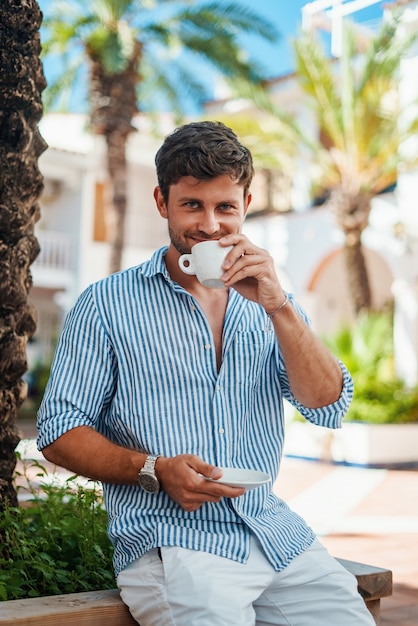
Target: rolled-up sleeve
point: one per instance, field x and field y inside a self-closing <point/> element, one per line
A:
<point x="332" y="415"/>
<point x="83" y="374"/>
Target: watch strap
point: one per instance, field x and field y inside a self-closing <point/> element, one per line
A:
<point x="149" y="465"/>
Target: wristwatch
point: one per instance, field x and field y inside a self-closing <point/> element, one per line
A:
<point x="147" y="477"/>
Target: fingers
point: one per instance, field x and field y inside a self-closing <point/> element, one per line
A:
<point x="208" y="470"/>
<point x="183" y="478"/>
<point x="207" y="491"/>
<point x="241" y="247"/>
<point x="249" y="265"/>
<point x="254" y="269"/>
<point x="250" y="270"/>
<point x="244" y="256"/>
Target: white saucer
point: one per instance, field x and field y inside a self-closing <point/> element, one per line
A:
<point x="246" y="478"/>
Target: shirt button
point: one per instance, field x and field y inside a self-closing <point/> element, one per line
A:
<point x="207" y="346"/>
<point x="221" y="431"/>
<point x="217" y="388"/>
<point x="193" y="308"/>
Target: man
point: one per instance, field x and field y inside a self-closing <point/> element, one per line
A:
<point x="160" y="376"/>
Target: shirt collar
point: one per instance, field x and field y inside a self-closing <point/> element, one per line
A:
<point x="156" y="265"/>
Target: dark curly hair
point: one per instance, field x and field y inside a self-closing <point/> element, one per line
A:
<point x="203" y="150"/>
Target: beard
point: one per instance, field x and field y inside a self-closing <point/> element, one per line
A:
<point x="180" y="241"/>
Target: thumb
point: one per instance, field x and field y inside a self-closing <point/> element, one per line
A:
<point x="211" y="471"/>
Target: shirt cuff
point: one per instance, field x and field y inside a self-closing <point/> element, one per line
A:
<point x="331" y="415"/>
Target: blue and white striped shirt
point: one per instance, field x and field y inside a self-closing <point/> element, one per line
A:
<point x="136" y="361"/>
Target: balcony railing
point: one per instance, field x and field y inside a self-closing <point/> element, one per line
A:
<point x="57" y="251"/>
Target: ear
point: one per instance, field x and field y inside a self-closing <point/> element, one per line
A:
<point x="247" y="202"/>
<point x="160" y="202"/>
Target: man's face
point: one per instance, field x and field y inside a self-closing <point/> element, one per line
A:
<point x="202" y="210"/>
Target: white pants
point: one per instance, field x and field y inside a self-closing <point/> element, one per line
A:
<point x="190" y="588"/>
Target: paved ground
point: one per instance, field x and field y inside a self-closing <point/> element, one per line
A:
<point x="364" y="515"/>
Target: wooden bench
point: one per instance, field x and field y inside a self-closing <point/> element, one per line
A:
<point x="105" y="608"/>
<point x="373" y="584"/>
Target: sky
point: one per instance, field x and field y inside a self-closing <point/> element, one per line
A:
<point x="286" y="15"/>
<point x="277" y="59"/>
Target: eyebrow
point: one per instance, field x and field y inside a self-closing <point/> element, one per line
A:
<point x="194" y="199"/>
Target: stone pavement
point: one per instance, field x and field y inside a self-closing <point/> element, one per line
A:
<point x="366" y="515"/>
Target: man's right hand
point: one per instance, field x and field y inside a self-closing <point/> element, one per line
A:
<point x="182" y="477"/>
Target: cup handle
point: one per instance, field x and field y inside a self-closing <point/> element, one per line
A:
<point x="187" y="269"/>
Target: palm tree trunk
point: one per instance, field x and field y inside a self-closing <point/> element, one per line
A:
<point x="117" y="168"/>
<point x="357" y="275"/>
<point x="113" y="105"/>
<point x="21" y="84"/>
<point x="352" y="210"/>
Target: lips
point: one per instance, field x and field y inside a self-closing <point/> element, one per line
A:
<point x="200" y="239"/>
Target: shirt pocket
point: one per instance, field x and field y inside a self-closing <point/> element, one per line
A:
<point x="250" y="353"/>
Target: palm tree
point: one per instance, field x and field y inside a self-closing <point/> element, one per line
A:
<point x="358" y="114"/>
<point x="355" y="155"/>
<point x="21" y="84"/>
<point x="134" y="50"/>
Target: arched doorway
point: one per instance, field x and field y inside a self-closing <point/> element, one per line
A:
<point x="328" y="290"/>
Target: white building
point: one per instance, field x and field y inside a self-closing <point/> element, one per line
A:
<point x="72" y="228"/>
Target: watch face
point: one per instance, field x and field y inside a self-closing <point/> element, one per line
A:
<point x="148" y="482"/>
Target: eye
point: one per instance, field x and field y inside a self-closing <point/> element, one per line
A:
<point x="225" y="207"/>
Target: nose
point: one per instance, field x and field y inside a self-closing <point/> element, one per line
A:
<point x="208" y="222"/>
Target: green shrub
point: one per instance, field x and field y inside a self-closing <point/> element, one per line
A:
<point x="366" y="348"/>
<point x="56" y="543"/>
<point x="36" y="378"/>
<point x="384" y="402"/>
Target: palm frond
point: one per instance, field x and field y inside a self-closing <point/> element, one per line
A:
<point x="358" y="109"/>
<point x="232" y="17"/>
<point x="110" y="11"/>
<point x="259" y="95"/>
<point x="383" y="56"/>
<point x="169" y="89"/>
<point x="315" y="76"/>
<point x="224" y="56"/>
<point x="114" y="48"/>
<point x="61" y="89"/>
<point x="348" y="92"/>
<point x="60" y="35"/>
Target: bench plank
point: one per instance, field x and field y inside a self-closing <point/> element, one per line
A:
<point x="373" y="582"/>
<point x="91" y="608"/>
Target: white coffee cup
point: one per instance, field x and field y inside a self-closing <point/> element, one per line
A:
<point x="205" y="261"/>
